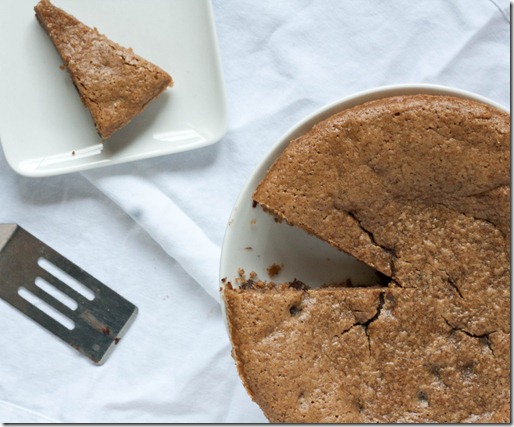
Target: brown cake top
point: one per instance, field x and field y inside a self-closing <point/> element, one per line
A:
<point x="359" y="170"/>
<point x="417" y="187"/>
<point x="364" y="355"/>
<point x="114" y="83"/>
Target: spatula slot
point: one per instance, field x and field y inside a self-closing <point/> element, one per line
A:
<point x="66" y="278"/>
<point x="56" y="293"/>
<point x="46" y="308"/>
<point x="60" y="296"/>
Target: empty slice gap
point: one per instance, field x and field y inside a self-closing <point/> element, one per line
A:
<point x="66" y="279"/>
<point x="46" y="308"/>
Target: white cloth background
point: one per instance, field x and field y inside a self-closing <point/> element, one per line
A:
<point x="152" y="230"/>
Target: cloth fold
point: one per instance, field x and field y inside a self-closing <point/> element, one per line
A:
<point x="166" y="223"/>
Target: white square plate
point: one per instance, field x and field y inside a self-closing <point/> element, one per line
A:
<point x="44" y="127"/>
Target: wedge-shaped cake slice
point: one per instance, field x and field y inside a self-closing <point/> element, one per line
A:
<point x="114" y="83"/>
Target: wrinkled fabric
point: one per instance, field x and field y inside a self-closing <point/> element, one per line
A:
<point x="153" y="229"/>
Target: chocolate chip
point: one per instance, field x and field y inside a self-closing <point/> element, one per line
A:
<point x="422" y="396"/>
<point x="248" y="284"/>
<point x="298" y="284"/>
<point x="294" y="310"/>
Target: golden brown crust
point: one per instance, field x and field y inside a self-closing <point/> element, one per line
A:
<point x="419" y="188"/>
<point x="355" y="170"/>
<point x="261" y="346"/>
<point x="114" y="83"/>
<point x="364" y="355"/>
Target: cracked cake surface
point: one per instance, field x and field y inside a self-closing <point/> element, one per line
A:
<point x="114" y="83"/>
<point x="417" y="187"/>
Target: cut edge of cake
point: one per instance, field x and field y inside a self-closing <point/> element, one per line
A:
<point x="494" y="339"/>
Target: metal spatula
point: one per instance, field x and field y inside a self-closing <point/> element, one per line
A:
<point x="60" y="296"/>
